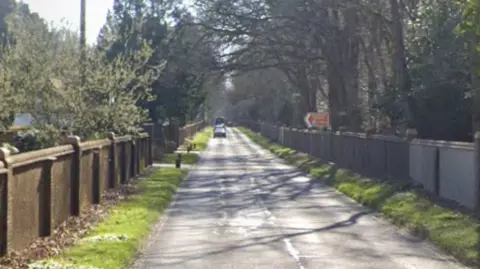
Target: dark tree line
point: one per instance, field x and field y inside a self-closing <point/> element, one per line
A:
<point x="185" y="57"/>
<point x="383" y="64"/>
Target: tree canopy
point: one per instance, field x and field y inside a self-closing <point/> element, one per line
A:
<point x="386" y="64"/>
<point x="187" y="59"/>
<point x="383" y="64"/>
<point x="148" y="64"/>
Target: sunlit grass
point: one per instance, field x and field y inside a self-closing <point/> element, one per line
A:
<point x="187" y="158"/>
<point x="201" y="138"/>
<point x="132" y="219"/>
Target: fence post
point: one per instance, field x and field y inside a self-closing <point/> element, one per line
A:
<point x="295" y="139"/>
<point x="331" y="148"/>
<point x="6" y="209"/>
<point x="96" y="188"/>
<point x="146" y="152"/>
<point x="46" y="213"/>
<point x="412" y="134"/>
<point x="150" y="150"/>
<point x="75" y="175"/>
<point x="311" y="147"/>
<point x="133" y="163"/>
<point x="436" y="172"/>
<point x="149" y="129"/>
<point x="477" y="172"/>
<point x="124" y="162"/>
<point x="112" y="160"/>
<point x="367" y="162"/>
<point x="141" y="153"/>
<point x="138" y="145"/>
<point x="279" y="134"/>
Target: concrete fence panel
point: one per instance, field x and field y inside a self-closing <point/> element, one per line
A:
<point x="450" y="170"/>
<point x="457" y="173"/>
<point x="422" y="164"/>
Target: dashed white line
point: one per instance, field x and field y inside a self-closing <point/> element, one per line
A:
<point x="293" y="252"/>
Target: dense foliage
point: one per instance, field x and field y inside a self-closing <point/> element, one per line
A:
<point x="186" y="58"/>
<point x="147" y="64"/>
<point x="386" y="64"/>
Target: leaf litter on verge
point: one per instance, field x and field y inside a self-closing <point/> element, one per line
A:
<point x="56" y="265"/>
<point x="106" y="238"/>
<point x="66" y="234"/>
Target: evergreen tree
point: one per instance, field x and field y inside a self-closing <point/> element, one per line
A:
<point x="179" y="49"/>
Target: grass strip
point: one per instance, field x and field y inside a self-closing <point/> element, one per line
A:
<point x="114" y="243"/>
<point x="455" y="233"/>
<point x="187" y="158"/>
<point x="201" y="138"/>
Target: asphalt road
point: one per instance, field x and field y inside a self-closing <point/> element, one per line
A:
<point x="244" y="208"/>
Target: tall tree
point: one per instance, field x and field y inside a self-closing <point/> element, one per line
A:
<point x="179" y="46"/>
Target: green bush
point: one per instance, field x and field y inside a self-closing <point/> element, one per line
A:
<point x="49" y="89"/>
<point x="35" y="139"/>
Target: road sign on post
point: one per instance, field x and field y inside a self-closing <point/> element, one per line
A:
<point x="317" y="119"/>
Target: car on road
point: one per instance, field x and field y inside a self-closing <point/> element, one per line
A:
<point x="219" y="131"/>
<point x="219" y="121"/>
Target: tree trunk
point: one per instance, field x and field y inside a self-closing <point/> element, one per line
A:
<point x="335" y="98"/>
<point x="475" y="79"/>
<point x="342" y="70"/>
<point x="400" y="75"/>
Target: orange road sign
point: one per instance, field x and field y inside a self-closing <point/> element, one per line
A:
<point x="317" y="119"/>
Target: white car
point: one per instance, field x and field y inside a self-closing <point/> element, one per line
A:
<point x="219" y="131"/>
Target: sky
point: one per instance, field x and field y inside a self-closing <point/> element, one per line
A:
<point x="69" y="10"/>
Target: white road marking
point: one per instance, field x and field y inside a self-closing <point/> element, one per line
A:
<point x="301" y="179"/>
<point x="293" y="252"/>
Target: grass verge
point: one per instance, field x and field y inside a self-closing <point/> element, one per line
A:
<point x="114" y="243"/>
<point x="455" y="233"/>
<point x="201" y="138"/>
<point x="187" y="158"/>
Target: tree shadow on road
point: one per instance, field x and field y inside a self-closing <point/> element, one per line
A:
<point x="257" y="240"/>
<point x="230" y="184"/>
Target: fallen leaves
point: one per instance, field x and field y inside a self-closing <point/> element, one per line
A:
<point x="67" y="233"/>
<point x="56" y="265"/>
<point x="106" y="238"/>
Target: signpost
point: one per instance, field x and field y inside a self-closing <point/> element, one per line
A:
<point x="317" y="119"/>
